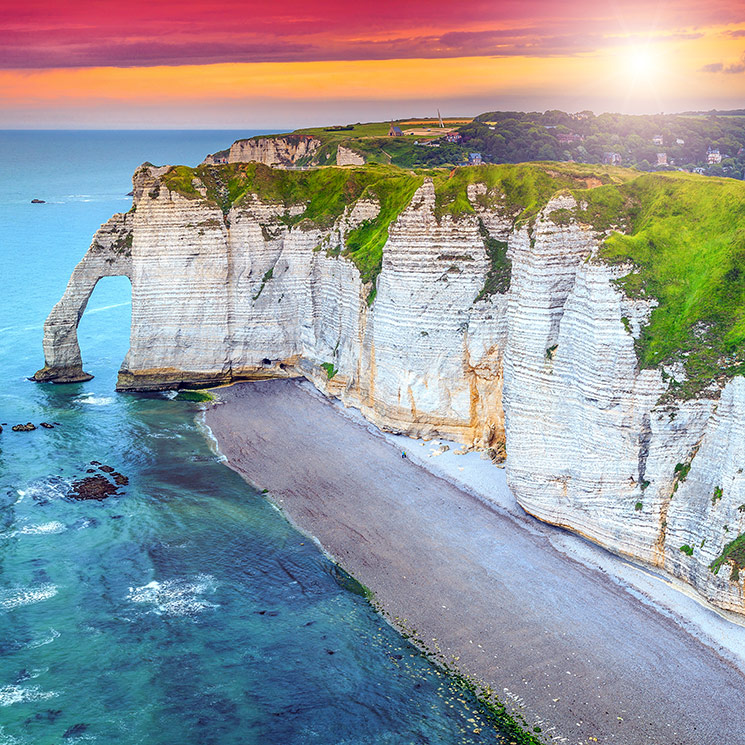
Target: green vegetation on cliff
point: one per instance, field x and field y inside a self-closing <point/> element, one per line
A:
<point x="683" y="236"/>
<point x="734" y="555"/>
<point x="323" y="193"/>
<point x="519" y="191"/>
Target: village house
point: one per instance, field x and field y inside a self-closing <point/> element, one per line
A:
<point x="395" y="131"/>
<point x="658" y="140"/>
<point x="713" y="156"/>
<point x="453" y="137"/>
<point x="474" y="159"/>
<point x="680" y="141"/>
<point x="661" y="159"/>
<point x="612" y="159"/>
<point x="566" y="138"/>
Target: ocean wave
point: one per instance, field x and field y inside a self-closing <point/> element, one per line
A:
<point x="93" y="400"/>
<point x="44" y="640"/>
<point x="44" y="489"/>
<point x="12" y="694"/>
<point x="212" y="443"/>
<point x="44" y="529"/>
<point x="175" y="597"/>
<point x="19" y="596"/>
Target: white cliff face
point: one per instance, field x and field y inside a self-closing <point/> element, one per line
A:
<point x="347" y="157"/>
<point x="550" y="361"/>
<point x="277" y="151"/>
<point x="110" y="255"/>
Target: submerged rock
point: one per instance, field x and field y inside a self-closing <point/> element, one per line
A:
<point x="47" y="425"/>
<point x="38" y="201"/>
<point x="93" y="487"/>
<point x="75" y="730"/>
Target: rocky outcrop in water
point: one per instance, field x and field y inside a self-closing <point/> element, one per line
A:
<point x="532" y="350"/>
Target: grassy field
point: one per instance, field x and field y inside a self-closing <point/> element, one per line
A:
<point x="371" y="140"/>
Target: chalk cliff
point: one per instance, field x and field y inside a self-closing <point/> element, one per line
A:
<point x="488" y="320"/>
<point x="279" y="151"/>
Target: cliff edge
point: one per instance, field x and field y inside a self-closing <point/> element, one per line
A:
<point x="587" y="320"/>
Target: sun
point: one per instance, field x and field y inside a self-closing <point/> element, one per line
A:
<point x="641" y="63"/>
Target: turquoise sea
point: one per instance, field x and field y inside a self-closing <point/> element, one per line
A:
<point x="186" y="610"/>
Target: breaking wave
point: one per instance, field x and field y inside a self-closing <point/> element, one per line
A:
<point x="20" y="596"/>
<point x="175" y="597"/>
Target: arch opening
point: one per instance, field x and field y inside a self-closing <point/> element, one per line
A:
<point x="110" y="255"/>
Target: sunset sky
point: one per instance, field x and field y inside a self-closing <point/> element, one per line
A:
<point x="230" y="63"/>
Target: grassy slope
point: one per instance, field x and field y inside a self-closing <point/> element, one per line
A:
<point x="684" y="235"/>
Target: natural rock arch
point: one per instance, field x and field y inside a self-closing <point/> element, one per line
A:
<point x="110" y="255"/>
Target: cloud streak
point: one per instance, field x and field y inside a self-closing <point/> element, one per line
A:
<point x="39" y="34"/>
<point x="734" y="68"/>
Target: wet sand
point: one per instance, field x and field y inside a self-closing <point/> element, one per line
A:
<point x="570" y="650"/>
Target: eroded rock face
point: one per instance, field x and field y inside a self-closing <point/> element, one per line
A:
<point x="591" y="443"/>
<point x="279" y="151"/>
<point x="110" y="254"/>
<point x="347" y="157"/>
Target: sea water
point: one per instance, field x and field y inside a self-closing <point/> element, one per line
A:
<point x="186" y="610"/>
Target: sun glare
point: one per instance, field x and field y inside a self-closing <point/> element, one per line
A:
<point x="641" y="62"/>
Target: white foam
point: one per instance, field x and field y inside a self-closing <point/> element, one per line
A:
<point x="45" y="489"/>
<point x="44" y="640"/>
<point x="6" y="739"/>
<point x="212" y="443"/>
<point x="94" y="400"/>
<point x="13" y="694"/>
<point x="20" y="596"/>
<point x="175" y="597"/>
<point x="44" y="529"/>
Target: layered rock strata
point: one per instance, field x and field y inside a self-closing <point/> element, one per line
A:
<point x="547" y="362"/>
<point x="278" y="151"/>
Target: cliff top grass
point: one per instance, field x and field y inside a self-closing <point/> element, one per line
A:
<point x="519" y="190"/>
<point x="367" y="129"/>
<point x="682" y="235"/>
<point x="685" y="238"/>
<point x="323" y="192"/>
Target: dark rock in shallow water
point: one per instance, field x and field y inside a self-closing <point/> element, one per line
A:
<point x="93" y="487"/>
<point x="47" y="425"/>
<point x="76" y="729"/>
<point x="23" y="427"/>
<point x="91" y="470"/>
<point x="106" y="469"/>
<point x="50" y="715"/>
<point x="1" y="428"/>
<point x="119" y="478"/>
<point x="38" y="201"/>
<point x="95" y="463"/>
